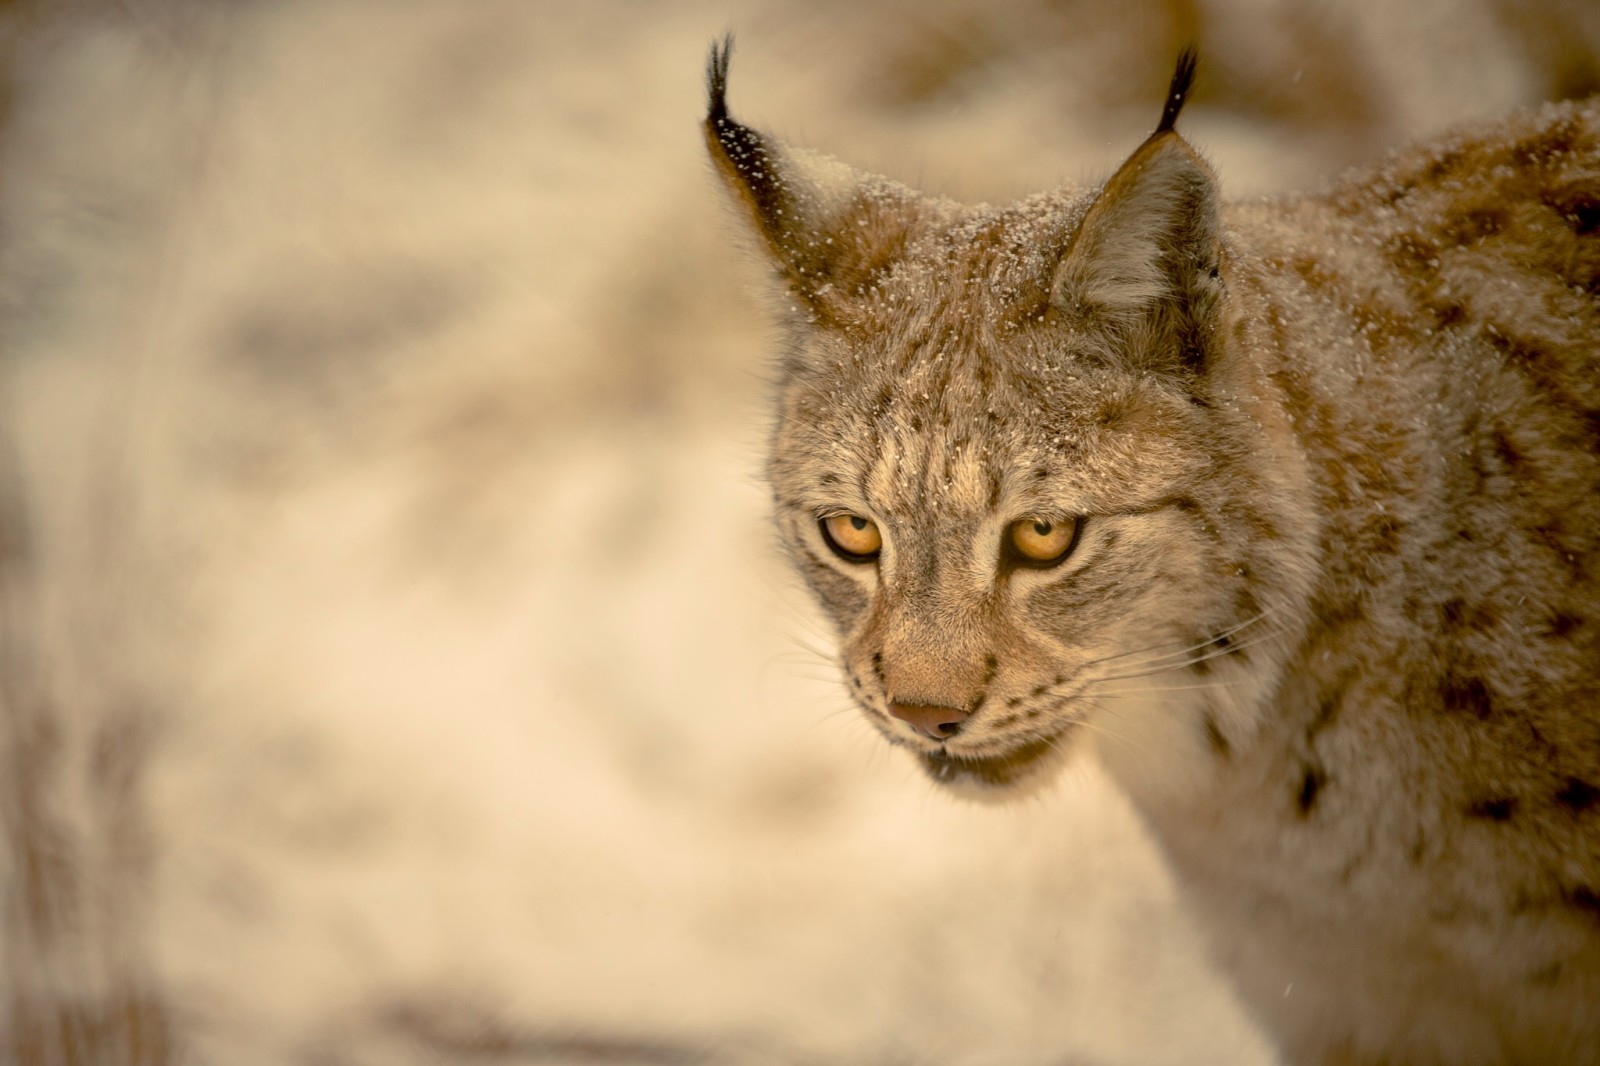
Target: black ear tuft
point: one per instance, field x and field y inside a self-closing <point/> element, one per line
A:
<point x="1177" y="92"/>
<point x="827" y="237"/>
<point x="717" y="78"/>
<point x="744" y="153"/>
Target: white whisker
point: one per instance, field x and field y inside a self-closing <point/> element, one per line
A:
<point x="1149" y="668"/>
<point x="1181" y="655"/>
<point x="1162" y="690"/>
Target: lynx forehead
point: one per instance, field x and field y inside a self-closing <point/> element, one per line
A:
<point x="1288" y="513"/>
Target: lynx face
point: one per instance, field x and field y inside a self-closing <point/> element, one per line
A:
<point x="1011" y="464"/>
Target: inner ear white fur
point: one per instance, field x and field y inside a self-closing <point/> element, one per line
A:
<point x="1147" y="237"/>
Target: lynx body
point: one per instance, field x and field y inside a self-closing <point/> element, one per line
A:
<point x="1289" y="512"/>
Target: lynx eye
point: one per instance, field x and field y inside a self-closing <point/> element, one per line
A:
<point x="852" y="538"/>
<point x="1042" y="541"/>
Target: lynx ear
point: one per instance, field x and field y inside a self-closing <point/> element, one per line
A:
<point x="1144" y="264"/>
<point x="829" y="229"/>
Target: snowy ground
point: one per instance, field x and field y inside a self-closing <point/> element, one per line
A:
<point x="395" y="663"/>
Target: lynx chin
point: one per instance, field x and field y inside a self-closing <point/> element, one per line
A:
<point x="1287" y="512"/>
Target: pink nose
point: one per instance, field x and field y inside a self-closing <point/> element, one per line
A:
<point x="931" y="720"/>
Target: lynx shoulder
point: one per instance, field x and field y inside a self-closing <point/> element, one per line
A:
<point x="1287" y="512"/>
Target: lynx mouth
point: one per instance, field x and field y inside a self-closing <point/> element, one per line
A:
<point x="1023" y="763"/>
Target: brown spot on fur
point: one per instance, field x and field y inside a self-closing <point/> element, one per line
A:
<point x="1381" y="534"/>
<point x="1311" y="785"/>
<point x="1111" y="410"/>
<point x="1219" y="743"/>
<point x="1297" y="398"/>
<point x="1508" y="451"/>
<point x="1458" y="614"/>
<point x="1578" y="795"/>
<point x="1578" y="204"/>
<point x="1562" y="624"/>
<point x="1260" y="526"/>
<point x="1447" y="312"/>
<point x="1467" y="695"/>
<point x="1335" y="616"/>
<point x="1499" y="809"/>
<point x="1327" y="713"/>
<point x="1474" y="224"/>
<point x="1531" y="356"/>
<point x="1451" y="612"/>
<point x="1583" y="898"/>
<point x="984" y="377"/>
<point x="1544" y="147"/>
<point x="1226" y="645"/>
<point x="1402" y="184"/>
<point x="1556" y="538"/>
<point x="1313" y="272"/>
<point x="1412" y="609"/>
<point x="1439" y="165"/>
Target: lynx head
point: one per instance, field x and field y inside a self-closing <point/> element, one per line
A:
<point x="1015" y="458"/>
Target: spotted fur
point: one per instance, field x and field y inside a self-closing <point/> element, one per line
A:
<point x="1333" y="619"/>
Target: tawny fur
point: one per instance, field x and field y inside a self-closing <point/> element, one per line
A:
<point x="1333" y="616"/>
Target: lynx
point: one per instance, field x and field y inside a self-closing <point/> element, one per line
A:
<point x="1287" y="512"/>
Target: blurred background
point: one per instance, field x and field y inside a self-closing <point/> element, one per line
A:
<point x="396" y="664"/>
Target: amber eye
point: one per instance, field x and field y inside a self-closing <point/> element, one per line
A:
<point x="852" y="537"/>
<point x="1042" y="541"/>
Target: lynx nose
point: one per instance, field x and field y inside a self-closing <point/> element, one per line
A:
<point x="931" y="720"/>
